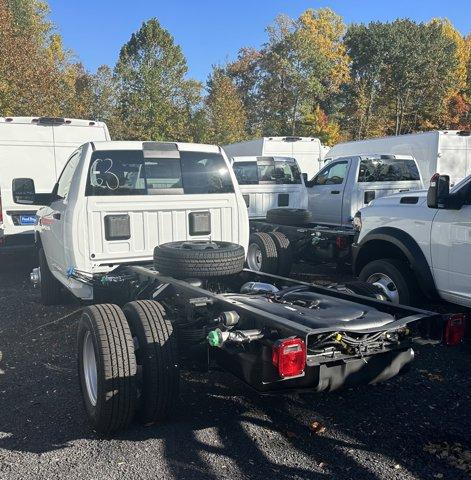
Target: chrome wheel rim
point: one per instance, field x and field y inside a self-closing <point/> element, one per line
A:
<point x="254" y="257"/>
<point x="89" y="368"/>
<point x="385" y="283"/>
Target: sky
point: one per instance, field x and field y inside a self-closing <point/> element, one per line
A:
<point x="211" y="32"/>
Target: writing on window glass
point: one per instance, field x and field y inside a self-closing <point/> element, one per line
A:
<point x="101" y="174"/>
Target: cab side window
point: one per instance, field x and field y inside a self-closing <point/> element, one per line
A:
<point x="332" y="174"/>
<point x="65" y="180"/>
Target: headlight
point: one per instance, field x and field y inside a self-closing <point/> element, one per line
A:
<point x="357" y="222"/>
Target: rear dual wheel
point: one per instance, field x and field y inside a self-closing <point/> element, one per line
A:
<point x="128" y="364"/>
<point x="270" y="253"/>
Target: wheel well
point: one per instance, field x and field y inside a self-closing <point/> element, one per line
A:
<point x="376" y="250"/>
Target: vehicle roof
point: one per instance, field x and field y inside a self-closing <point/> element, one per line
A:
<point x="137" y="145"/>
<point x="377" y="156"/>
<point x="66" y="121"/>
<point x="398" y="137"/>
<point x="253" y="158"/>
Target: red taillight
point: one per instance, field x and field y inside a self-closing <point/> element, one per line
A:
<point x="341" y="243"/>
<point x="454" y="329"/>
<point x="289" y="356"/>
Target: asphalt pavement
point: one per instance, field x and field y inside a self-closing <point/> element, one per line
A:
<point x="415" y="426"/>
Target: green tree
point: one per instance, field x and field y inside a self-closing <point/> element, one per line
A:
<point x="226" y="118"/>
<point x="154" y="100"/>
<point x="29" y="76"/>
<point x="401" y="73"/>
<point x="300" y="68"/>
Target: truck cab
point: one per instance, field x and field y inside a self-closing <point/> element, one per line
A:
<point x="115" y="201"/>
<point x="269" y="182"/>
<point x="418" y="244"/>
<point x="347" y="184"/>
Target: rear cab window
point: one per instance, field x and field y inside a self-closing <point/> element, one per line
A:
<point x="127" y="172"/>
<point x="388" y="170"/>
<point x="267" y="171"/>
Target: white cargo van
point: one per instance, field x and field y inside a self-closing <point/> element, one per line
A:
<point x="444" y="151"/>
<point x="307" y="151"/>
<point x="269" y="182"/>
<point x="35" y="148"/>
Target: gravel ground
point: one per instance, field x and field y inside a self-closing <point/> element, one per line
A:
<point x="414" y="426"/>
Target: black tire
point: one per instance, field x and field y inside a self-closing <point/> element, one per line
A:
<point x="156" y="353"/>
<point x="289" y="216"/>
<point x="50" y="287"/>
<point x="262" y="255"/>
<point x="365" y="289"/>
<point x="399" y="272"/>
<point x="116" y="387"/>
<point x="284" y="251"/>
<point x="199" y="259"/>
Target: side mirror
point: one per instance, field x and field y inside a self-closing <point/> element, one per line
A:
<point x="438" y="191"/>
<point x="308" y="183"/>
<point x="24" y="192"/>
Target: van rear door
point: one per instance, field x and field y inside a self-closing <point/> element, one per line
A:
<point x="138" y="199"/>
<point x="26" y="151"/>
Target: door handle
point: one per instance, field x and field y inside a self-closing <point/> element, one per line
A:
<point x="56" y="215"/>
<point x="335" y="192"/>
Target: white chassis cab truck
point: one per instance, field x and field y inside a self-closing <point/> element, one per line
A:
<point x="35" y="148"/>
<point x="324" y="232"/>
<point x="116" y="201"/>
<point x="418" y="244"/>
<point x="269" y="182"/>
<point x="159" y="231"/>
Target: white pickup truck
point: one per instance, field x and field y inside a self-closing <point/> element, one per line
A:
<point x="418" y="243"/>
<point x="269" y="182"/>
<point x="115" y="201"/>
<point x="347" y="184"/>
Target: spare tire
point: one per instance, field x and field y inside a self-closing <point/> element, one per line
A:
<point x="289" y="216"/>
<point x="200" y="259"/>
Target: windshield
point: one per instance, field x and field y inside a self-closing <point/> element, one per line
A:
<point x="278" y="172"/>
<point x="127" y="172"/>
<point x="388" y="170"/>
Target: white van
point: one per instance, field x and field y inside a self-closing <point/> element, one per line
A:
<point x="269" y="182"/>
<point x="307" y="151"/>
<point x="444" y="151"/>
<point x="35" y="148"/>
